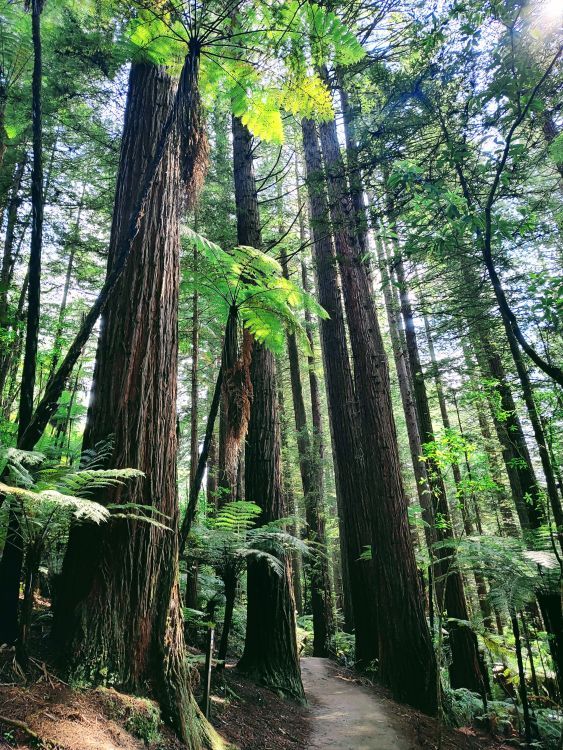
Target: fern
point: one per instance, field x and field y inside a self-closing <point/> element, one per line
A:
<point x="237" y="516"/>
<point x="88" y="481"/>
<point x="514" y="573"/>
<point x="230" y="538"/>
<point x="252" y="281"/>
<point x="16" y="463"/>
<point x="51" y="500"/>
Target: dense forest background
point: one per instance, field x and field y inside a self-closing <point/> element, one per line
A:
<point x="281" y="313"/>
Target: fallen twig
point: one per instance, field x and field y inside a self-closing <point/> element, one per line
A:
<point x="19" y="725"/>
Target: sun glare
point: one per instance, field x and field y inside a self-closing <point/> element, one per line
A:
<point x="550" y="12"/>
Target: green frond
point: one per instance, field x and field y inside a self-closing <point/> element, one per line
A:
<point x="331" y="40"/>
<point x="252" y="280"/>
<point x="16" y="461"/>
<point x="84" y="510"/>
<point x="161" y="41"/>
<point x="91" y="480"/>
<point x="272" y="561"/>
<point x="276" y="541"/>
<point x="144" y="519"/>
<point x="99" y="455"/>
<point x="236" y="516"/>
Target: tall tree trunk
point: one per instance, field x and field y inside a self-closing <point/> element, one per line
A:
<point x="352" y="490"/>
<point x="194" y="400"/>
<point x="406" y="656"/>
<point x="313" y="485"/>
<point x="12" y="556"/>
<point x="9" y="362"/>
<point x="34" y="287"/>
<point x="465" y="669"/>
<point x="270" y="649"/>
<point x="503" y="505"/>
<point x="235" y="406"/>
<point x="296" y="561"/>
<point x="191" y="596"/>
<point x="317" y="442"/>
<point x="456" y="471"/>
<point x="409" y="407"/>
<point x="183" y="121"/>
<point x="539" y="435"/>
<point x="550" y="133"/>
<point x="354" y="172"/>
<point x="523" y="483"/>
<point x="70" y="246"/>
<point x="9" y="239"/>
<point x="3" y="134"/>
<point x="522" y="689"/>
<point x="230" y="582"/>
<point x="9" y="365"/>
<point x="211" y="486"/>
<point x="119" y="613"/>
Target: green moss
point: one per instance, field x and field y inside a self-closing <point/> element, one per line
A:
<point x="145" y="724"/>
<point x="139" y="716"/>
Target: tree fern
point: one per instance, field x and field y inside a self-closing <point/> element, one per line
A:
<point x="47" y="502"/>
<point x="252" y="281"/>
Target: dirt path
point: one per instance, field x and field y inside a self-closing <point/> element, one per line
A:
<point x="344" y="715"/>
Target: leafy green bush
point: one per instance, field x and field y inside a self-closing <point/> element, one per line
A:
<point x="462" y="706"/>
<point x="343" y="646"/>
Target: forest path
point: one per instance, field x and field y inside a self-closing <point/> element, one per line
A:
<point x="345" y="715"/>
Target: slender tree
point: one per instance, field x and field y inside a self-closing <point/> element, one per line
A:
<point x="465" y="669"/>
<point x="270" y="649"/>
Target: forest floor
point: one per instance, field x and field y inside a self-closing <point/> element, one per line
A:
<point x="343" y="713"/>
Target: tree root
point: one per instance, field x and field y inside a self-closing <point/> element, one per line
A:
<point x="19" y="725"/>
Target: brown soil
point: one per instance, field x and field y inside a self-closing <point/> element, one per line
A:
<point x="66" y="719"/>
<point x="344" y="712"/>
<point x="254" y="718"/>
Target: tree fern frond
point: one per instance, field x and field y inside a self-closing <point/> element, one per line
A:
<point x="90" y="480"/>
<point x="84" y="510"/>
<point x="98" y="456"/>
<point x="273" y="562"/>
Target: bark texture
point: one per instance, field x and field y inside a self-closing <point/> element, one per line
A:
<point x="270" y="650"/>
<point x="352" y="493"/>
<point x="406" y="655"/>
<point x="119" y="618"/>
<point x="312" y="482"/>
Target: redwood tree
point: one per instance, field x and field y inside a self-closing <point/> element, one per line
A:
<point x="352" y="490"/>
<point x="270" y="649"/>
<point x="118" y="615"/>
<point x="311" y="471"/>
<point x="406" y="656"/>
